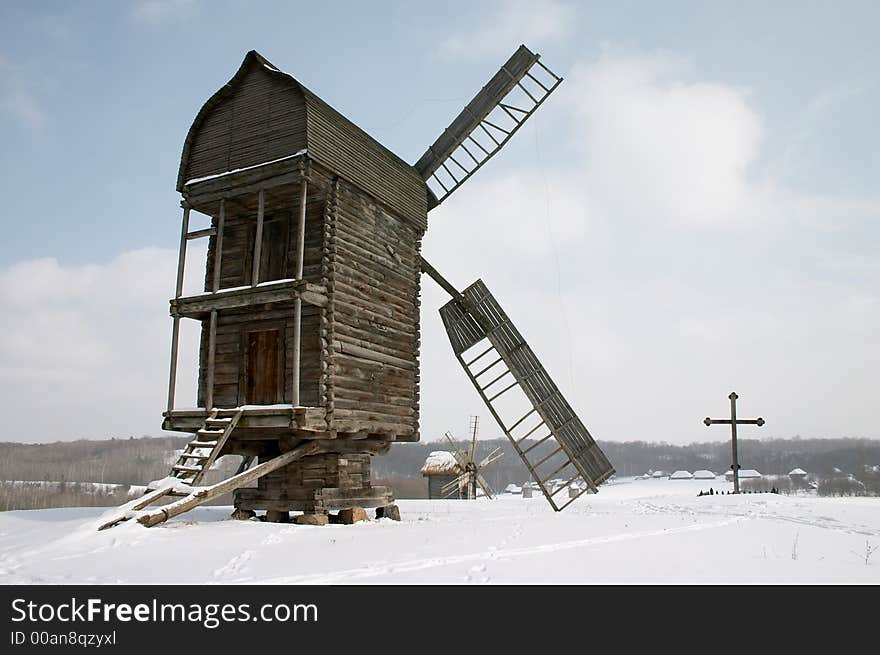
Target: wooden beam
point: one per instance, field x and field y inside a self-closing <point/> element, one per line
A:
<point x="198" y="234"/>
<point x="297" y="308"/>
<point x="372" y="355"/>
<point x="283" y="290"/>
<point x="175" y="329"/>
<point x="212" y="349"/>
<point x="301" y="234"/>
<point x="235" y="180"/>
<point x="204" y="494"/>
<point x="218" y="246"/>
<point x="181" y="255"/>
<point x="172" y="375"/>
<point x="258" y="240"/>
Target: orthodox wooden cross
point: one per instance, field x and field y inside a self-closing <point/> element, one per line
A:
<point x="733" y="422"/>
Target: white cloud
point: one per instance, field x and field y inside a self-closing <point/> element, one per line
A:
<point x="663" y="164"/>
<point x="524" y="216"/>
<point x="85" y="348"/>
<point x="687" y="148"/>
<point x="511" y="23"/>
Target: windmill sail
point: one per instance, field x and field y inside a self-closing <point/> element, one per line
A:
<point x="471" y="471"/>
<point x="561" y="444"/>
<point x="486" y="123"/>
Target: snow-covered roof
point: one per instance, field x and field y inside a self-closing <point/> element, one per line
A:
<point x="513" y="489"/>
<point x="440" y="462"/>
<point x="704" y="474"/>
<point x="744" y="473"/>
<point x="797" y="472"/>
<point x="681" y="475"/>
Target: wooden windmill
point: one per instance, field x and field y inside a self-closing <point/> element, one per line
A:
<point x="465" y="485"/>
<point x="309" y="316"/>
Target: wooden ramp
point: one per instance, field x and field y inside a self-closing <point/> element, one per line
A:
<point x="201" y="495"/>
<point x="498" y="361"/>
<point x="196" y="459"/>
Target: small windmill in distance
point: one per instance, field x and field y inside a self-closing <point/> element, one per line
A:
<point x="471" y="474"/>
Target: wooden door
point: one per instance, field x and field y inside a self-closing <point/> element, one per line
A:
<point x="263" y="379"/>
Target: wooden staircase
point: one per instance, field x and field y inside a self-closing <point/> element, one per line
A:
<point x="196" y="459"/>
<point x="201" y="453"/>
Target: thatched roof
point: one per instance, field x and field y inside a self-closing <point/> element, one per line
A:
<point x="441" y="462"/>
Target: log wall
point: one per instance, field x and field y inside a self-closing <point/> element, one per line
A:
<point x="359" y="353"/>
<point x="372" y="275"/>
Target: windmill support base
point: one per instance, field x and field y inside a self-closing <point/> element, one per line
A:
<point x="315" y="485"/>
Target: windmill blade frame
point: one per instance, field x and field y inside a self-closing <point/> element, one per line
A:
<point x="459" y="454"/>
<point x="474" y="318"/>
<point x="451" y="148"/>
<point x="489" y="459"/>
<point x="472" y="454"/>
<point x="484" y="485"/>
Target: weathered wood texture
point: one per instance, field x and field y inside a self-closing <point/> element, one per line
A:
<point x="360" y="352"/>
<point x="263" y="114"/>
<point x="319" y="483"/>
<point x="278" y="261"/>
<point x="365" y="215"/>
<point x="231" y="357"/>
<point x="255" y="118"/>
<point x="436" y="483"/>
<point x="317" y="472"/>
<point x="372" y="277"/>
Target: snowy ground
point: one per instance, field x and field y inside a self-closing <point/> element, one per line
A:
<point x="645" y="531"/>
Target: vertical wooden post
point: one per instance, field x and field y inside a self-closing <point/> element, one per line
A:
<point x="301" y="235"/>
<point x="212" y="347"/>
<point x="297" y="306"/>
<point x="175" y="329"/>
<point x="735" y="466"/>
<point x="172" y="376"/>
<point x="181" y="255"/>
<point x="218" y="246"/>
<point x="258" y="241"/>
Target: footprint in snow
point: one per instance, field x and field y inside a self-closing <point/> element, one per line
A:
<point x="477" y="575"/>
<point x="234" y="565"/>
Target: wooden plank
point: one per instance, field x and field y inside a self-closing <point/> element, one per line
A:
<point x="284" y="290"/>
<point x="218" y="246"/>
<point x="205" y="494"/>
<point x="172" y="374"/>
<point x="181" y="256"/>
<point x="258" y="240"/>
<point x="199" y="234"/>
<point x="297" y="308"/>
<point x="209" y="379"/>
<point x="372" y="355"/>
<point x="147" y="499"/>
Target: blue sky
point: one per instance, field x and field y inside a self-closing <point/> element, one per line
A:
<point x="695" y="209"/>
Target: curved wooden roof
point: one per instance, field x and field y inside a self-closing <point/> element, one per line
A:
<point x="263" y="114"/>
